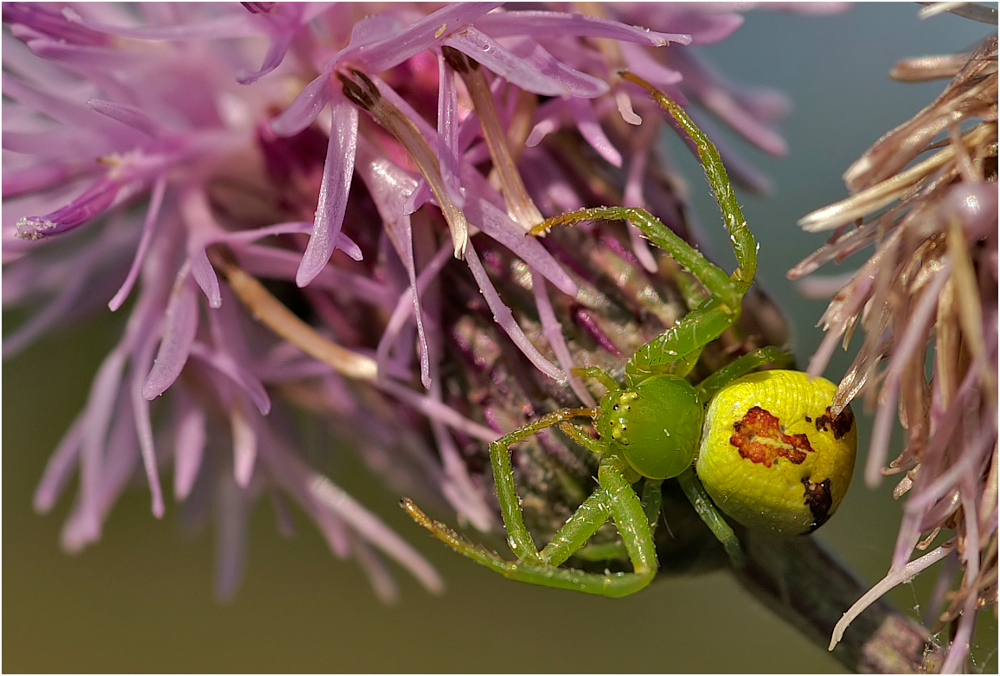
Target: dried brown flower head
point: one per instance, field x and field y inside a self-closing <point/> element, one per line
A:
<point x="925" y="196"/>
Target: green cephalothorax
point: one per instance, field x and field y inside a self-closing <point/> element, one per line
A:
<point x="767" y="449"/>
<point x="654" y="426"/>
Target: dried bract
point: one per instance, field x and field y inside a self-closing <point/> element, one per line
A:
<point x="926" y="301"/>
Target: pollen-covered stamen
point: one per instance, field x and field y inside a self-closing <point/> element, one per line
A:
<point x="520" y="207"/>
<point x="268" y="310"/>
<point x="365" y="93"/>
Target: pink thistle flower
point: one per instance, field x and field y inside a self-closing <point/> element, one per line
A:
<point x="180" y="154"/>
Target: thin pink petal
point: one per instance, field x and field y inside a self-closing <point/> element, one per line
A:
<point x="181" y="325"/>
<point x="189" y="447"/>
<point x="204" y="274"/>
<point x="337" y="174"/>
<point x="244" y="446"/>
<point x="527" y="65"/>
<point x="505" y="318"/>
<point x="304" y="109"/>
<point x="148" y="229"/>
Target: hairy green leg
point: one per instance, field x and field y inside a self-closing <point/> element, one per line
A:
<point x="709" y="513"/>
<point x="503" y="475"/>
<point x="706" y="322"/>
<point x="744" y="244"/>
<point x="614" y="584"/>
<point x="740" y="367"/>
<point x="581" y="436"/>
<point x="579" y="528"/>
<point x="652" y="500"/>
<point x="615" y="494"/>
<point x="700" y="326"/>
<point x="598" y="374"/>
<point x="615" y="498"/>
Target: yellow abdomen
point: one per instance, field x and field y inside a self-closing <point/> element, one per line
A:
<point x="772" y="456"/>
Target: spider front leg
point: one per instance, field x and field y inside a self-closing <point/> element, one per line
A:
<point x="676" y="350"/>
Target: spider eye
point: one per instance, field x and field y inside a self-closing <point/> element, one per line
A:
<point x="774" y="457"/>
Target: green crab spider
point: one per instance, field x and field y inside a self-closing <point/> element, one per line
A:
<point x="766" y="448"/>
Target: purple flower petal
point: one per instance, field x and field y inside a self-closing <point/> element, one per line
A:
<point x="93" y="201"/>
<point x="527" y="65"/>
<point x="553" y="333"/>
<point x="447" y="128"/>
<point x="60" y="466"/>
<point x="204" y="274"/>
<point x="126" y="114"/>
<point x="178" y="336"/>
<point x="148" y="229"/>
<point x="372" y="529"/>
<point x="229" y="26"/>
<point x="85" y="526"/>
<point x="41" y="20"/>
<point x="84" y="57"/>
<point x="337" y="174"/>
<point x="505" y="318"/>
<point x="231" y="538"/>
<point x="304" y="109"/>
<point x="549" y="24"/>
<point x="143" y="424"/>
<point x="497" y="224"/>
<point x="590" y="129"/>
<point x="244" y="446"/>
<point x="401" y="45"/>
<point x="225" y="365"/>
<point x="189" y="446"/>
<point x="282" y="23"/>
<point x="35" y="178"/>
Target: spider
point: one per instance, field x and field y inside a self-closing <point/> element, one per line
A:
<point x="763" y="448"/>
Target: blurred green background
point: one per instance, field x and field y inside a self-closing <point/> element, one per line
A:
<point x="142" y="599"/>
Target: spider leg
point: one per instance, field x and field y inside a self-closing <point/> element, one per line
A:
<point x="709" y="513"/>
<point x="652" y="500"/>
<point x="744" y="244"/>
<point x="600" y="375"/>
<point x="503" y="474"/>
<point x="777" y="356"/>
<point x="615" y="499"/>
<point x="675" y="350"/>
